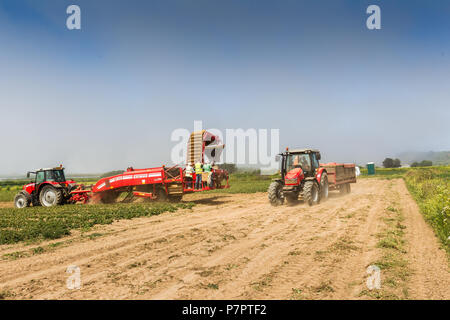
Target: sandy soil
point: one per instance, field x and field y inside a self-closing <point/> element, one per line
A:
<point x="234" y="247"/>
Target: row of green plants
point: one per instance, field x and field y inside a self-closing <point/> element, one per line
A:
<point x="7" y="196"/>
<point x="431" y="190"/>
<point x="39" y="223"/>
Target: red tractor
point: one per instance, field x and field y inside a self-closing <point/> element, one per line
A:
<point x="302" y="175"/>
<point x="48" y="189"/>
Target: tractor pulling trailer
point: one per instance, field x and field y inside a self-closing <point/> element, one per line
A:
<point x="50" y="187"/>
<point x="302" y="176"/>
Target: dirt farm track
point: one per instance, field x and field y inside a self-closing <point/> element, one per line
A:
<point x="237" y="246"/>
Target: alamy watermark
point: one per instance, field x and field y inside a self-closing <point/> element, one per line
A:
<point x="374" y="279"/>
<point x="73" y="21"/>
<point x="252" y="147"/>
<point x="74" y="280"/>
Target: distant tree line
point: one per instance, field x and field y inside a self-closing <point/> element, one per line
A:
<point x="424" y="163"/>
<point x="391" y="163"/>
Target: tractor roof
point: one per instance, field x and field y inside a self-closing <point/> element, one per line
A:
<point x="48" y="169"/>
<point x="303" y="151"/>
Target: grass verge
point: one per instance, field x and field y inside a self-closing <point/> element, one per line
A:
<point x="431" y="190"/>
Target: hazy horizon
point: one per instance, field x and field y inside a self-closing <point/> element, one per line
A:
<point x="108" y="96"/>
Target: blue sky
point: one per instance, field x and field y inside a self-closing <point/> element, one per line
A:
<point x="109" y="95"/>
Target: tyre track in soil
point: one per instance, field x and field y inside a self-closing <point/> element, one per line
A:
<point x="238" y="244"/>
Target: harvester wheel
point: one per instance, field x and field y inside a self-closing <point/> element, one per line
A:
<point x="50" y="196"/>
<point x="324" y="187"/>
<point x="311" y="192"/>
<point x="22" y="199"/>
<point x="276" y="193"/>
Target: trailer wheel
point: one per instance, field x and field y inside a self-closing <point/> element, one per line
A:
<point x="22" y="200"/>
<point x="344" y="188"/>
<point x="324" y="187"/>
<point x="50" y="196"/>
<point x="276" y="193"/>
<point x="311" y="192"/>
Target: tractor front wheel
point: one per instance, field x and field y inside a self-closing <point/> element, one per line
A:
<point x="50" y="196"/>
<point x="311" y="192"/>
<point x="22" y="200"/>
<point x="276" y="193"/>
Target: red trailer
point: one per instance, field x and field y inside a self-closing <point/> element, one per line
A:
<point x="340" y="175"/>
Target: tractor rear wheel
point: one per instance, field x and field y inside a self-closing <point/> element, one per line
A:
<point x="22" y="199"/>
<point x="276" y="193"/>
<point x="311" y="192"/>
<point x="324" y="187"/>
<point x="50" y="196"/>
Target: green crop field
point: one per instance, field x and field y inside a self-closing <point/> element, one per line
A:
<point x="39" y="223"/>
<point x="246" y="183"/>
<point x="391" y="173"/>
<point x="7" y="193"/>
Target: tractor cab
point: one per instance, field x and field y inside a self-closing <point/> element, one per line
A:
<point x="50" y="174"/>
<point x="307" y="160"/>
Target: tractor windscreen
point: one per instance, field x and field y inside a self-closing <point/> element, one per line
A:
<point x="298" y="161"/>
<point x="55" y="175"/>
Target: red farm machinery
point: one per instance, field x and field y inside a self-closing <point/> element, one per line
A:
<point x="302" y="176"/>
<point x="51" y="188"/>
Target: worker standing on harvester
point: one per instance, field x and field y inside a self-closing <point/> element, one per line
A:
<point x="207" y="169"/>
<point x="198" y="175"/>
<point x="188" y="176"/>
